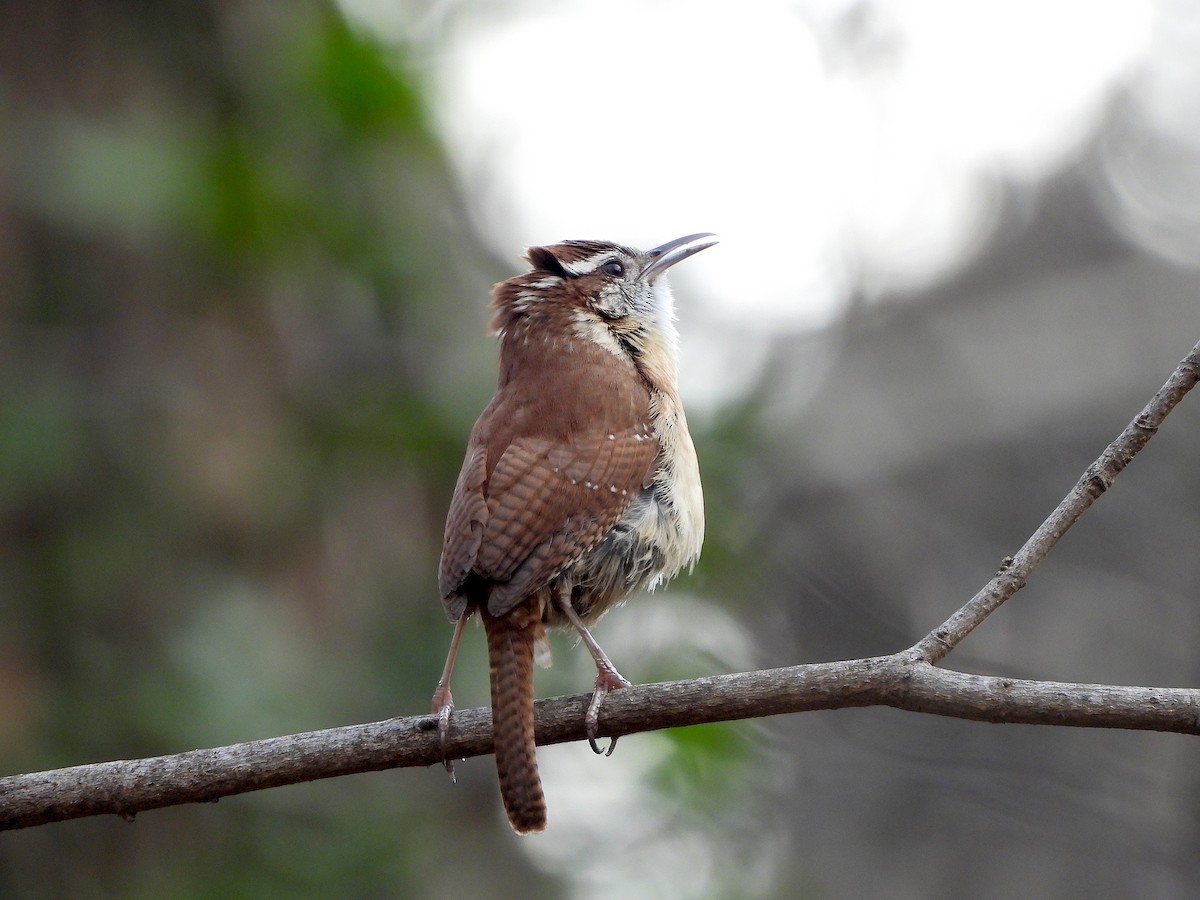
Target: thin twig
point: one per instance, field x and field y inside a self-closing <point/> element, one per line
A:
<point x="1096" y="479"/>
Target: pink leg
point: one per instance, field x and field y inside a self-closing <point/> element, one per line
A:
<point x="443" y="700"/>
<point x="607" y="676"/>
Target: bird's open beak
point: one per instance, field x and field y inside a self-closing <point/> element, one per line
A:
<point x="676" y="251"/>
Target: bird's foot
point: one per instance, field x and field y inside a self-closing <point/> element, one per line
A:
<point x="443" y="705"/>
<point x="607" y="679"/>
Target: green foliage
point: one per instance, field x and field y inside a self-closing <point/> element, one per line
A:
<point x="706" y="766"/>
<point x="350" y="74"/>
<point x="219" y="426"/>
<point x="39" y="444"/>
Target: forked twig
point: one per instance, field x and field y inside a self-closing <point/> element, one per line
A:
<point x="1096" y="479"/>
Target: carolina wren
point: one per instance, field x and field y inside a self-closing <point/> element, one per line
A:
<point x="580" y="484"/>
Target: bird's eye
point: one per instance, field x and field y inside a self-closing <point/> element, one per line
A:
<point x="613" y="268"/>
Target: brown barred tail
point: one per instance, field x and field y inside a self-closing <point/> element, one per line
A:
<point x="510" y="656"/>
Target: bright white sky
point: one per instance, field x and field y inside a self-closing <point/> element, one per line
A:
<point x="834" y="146"/>
<point x="824" y="142"/>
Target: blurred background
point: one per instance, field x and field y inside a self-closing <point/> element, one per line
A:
<point x="245" y="249"/>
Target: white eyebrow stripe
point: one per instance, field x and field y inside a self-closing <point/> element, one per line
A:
<point x="588" y="263"/>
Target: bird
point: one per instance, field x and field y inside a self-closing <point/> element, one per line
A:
<point x="580" y="483"/>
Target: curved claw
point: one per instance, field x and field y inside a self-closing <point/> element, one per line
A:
<point x="606" y="680"/>
<point x="612" y="745"/>
<point x="443" y="705"/>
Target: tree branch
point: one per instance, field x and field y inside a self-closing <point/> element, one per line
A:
<point x="126" y="787"/>
<point x="907" y="680"/>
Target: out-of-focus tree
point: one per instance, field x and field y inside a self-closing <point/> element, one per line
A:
<point x="241" y="339"/>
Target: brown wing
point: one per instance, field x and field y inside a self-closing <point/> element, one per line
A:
<point x="551" y="465"/>
<point x="465" y="524"/>
<point x="549" y="503"/>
